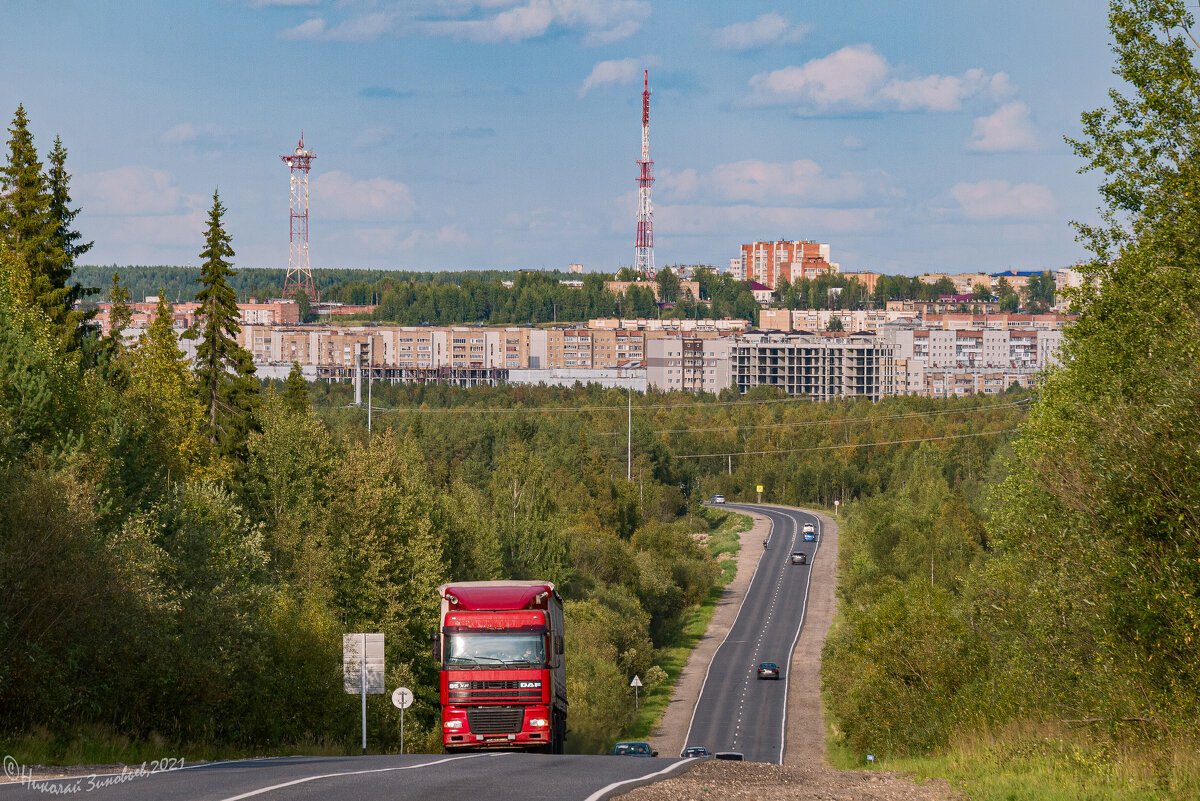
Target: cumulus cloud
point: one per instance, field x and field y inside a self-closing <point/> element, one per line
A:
<point x="858" y="78"/>
<point x="770" y="183"/>
<point x="996" y="199"/>
<point x="704" y="220"/>
<point x="600" y="21"/>
<point x="621" y="71"/>
<point x="765" y="31"/>
<point x="190" y="133"/>
<point x="129" y="191"/>
<point x="339" y="196"/>
<point x="1007" y="129"/>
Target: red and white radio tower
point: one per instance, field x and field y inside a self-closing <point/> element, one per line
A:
<point x="643" y="261"/>
<point x="299" y="276"/>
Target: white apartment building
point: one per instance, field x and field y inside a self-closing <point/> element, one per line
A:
<point x="824" y="367"/>
<point x="689" y="363"/>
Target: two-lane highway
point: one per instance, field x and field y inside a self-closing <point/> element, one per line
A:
<point x="492" y="776"/>
<point x="737" y="711"/>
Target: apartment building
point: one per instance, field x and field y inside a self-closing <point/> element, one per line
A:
<point x="724" y="325"/>
<point x="823" y="367"/>
<point x="767" y="262"/>
<point x="814" y="320"/>
<point x="992" y="348"/>
<point x="276" y="312"/>
<point x="691" y="364"/>
<point x="617" y="347"/>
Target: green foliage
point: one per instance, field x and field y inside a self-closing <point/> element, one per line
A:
<point x="224" y="369"/>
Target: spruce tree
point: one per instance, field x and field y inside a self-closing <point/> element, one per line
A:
<point x="295" y="390"/>
<point x="65" y="242"/>
<point x="119" y="313"/>
<point x="26" y="223"/>
<point x="224" y="369"/>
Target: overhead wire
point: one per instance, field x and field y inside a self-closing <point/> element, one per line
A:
<point x="845" y="446"/>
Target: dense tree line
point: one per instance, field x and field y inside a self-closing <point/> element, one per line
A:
<point x="1065" y="595"/>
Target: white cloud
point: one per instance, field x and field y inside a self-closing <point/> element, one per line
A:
<point x="765" y="31"/>
<point x="621" y="71"/>
<point x="341" y="197"/>
<point x="858" y="78"/>
<point x="705" y="220"/>
<point x="995" y="199"/>
<point x="129" y="191"/>
<point x="1007" y="129"/>
<point x="186" y="132"/>
<point x="770" y="183"/>
<point x="601" y="21"/>
<point x="373" y="137"/>
<point x="309" y="29"/>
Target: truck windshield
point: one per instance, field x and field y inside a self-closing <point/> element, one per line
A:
<point x="489" y="648"/>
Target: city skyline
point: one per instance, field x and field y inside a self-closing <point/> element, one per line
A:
<point x="496" y="134"/>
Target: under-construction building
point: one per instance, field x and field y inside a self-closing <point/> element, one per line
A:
<point x="823" y="367"/>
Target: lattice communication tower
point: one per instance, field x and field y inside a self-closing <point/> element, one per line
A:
<point x="299" y="276"/>
<point x="643" y="260"/>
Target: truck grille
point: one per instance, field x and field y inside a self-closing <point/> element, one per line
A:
<point x="493" y="691"/>
<point x="495" y="719"/>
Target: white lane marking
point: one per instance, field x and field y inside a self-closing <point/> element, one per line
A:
<point x="603" y="791"/>
<point x="262" y="790"/>
<point x="688" y="737"/>
<point x="803" y="610"/>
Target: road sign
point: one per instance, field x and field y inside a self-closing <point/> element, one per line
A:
<point x="636" y="682"/>
<point x="402" y="698"/>
<point x="362" y="669"/>
<point x="362" y="652"/>
<point x="760" y="489"/>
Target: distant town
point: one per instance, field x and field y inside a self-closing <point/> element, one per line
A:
<point x="986" y="335"/>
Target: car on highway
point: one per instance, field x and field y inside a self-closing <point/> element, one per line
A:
<point x="799" y="558"/>
<point x="694" y="751"/>
<point x="718" y="499"/>
<point x="768" y="670"/>
<point x="633" y="748"/>
<point x="737" y="756"/>
<point x="810" y="532"/>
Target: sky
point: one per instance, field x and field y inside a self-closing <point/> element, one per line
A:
<point x="478" y="134"/>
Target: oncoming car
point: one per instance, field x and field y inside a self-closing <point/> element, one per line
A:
<point x="694" y="751"/>
<point x="634" y="749"/>
<point x="768" y="670"/>
<point x="799" y="558"/>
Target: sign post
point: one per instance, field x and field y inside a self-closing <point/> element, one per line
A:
<point x="362" y="670"/>
<point x="760" y="493"/>
<point x="836" y="504"/>
<point x="403" y="698"/>
<point x="635" y="684"/>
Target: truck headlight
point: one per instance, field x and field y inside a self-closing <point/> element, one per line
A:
<point x="529" y="685"/>
<point x="452" y="724"/>
<point x="538" y="723"/>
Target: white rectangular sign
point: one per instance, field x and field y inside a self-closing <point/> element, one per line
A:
<point x="354" y="648"/>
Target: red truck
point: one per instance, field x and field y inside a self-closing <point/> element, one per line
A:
<point x="503" y="676"/>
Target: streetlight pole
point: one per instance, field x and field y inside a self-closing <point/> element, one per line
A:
<point x="629" y="438"/>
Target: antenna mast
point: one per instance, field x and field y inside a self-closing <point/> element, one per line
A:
<point x="643" y="261"/>
<point x="299" y="276"/>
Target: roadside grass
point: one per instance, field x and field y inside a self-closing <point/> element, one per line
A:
<point x="100" y="745"/>
<point x="1030" y="763"/>
<point x="723" y="539"/>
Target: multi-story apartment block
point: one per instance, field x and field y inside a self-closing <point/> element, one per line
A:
<point x="767" y="262"/>
<point x="691" y="364"/>
<point x="725" y="325"/>
<point x="987" y="349"/>
<point x="815" y="320"/>
<point x="823" y="367"/>
<point x="617" y="347"/>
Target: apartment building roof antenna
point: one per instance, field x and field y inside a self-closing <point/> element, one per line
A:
<point x="299" y="276"/>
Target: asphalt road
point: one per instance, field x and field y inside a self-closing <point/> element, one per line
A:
<point x="490" y="776"/>
<point x="736" y="711"/>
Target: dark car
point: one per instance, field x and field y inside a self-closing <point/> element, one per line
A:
<point x="634" y="749"/>
<point x="768" y="670"/>
<point x="694" y="751"/>
<point x="737" y="756"/>
<point x="799" y="558"/>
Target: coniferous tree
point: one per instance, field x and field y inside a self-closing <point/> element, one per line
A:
<point x="25" y="219"/>
<point x="224" y="369"/>
<point x="65" y="240"/>
<point x="119" y="313"/>
<point x="295" y="390"/>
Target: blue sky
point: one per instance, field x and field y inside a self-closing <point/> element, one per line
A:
<point x="453" y="134"/>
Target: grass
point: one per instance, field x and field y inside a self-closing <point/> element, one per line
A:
<point x="1032" y="764"/>
<point x="723" y="541"/>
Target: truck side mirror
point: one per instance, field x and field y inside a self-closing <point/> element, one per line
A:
<point x="434" y="646"/>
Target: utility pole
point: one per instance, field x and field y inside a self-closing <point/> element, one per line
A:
<point x="629" y="439"/>
<point x="370" y="369"/>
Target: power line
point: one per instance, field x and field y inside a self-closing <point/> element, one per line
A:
<point x="906" y="416"/>
<point x="498" y="410"/>
<point x="842" y="447"/>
